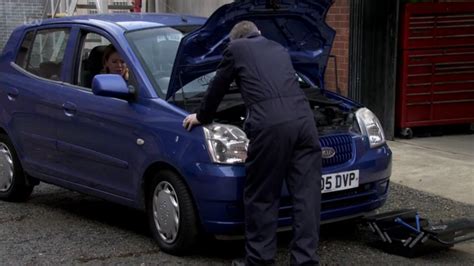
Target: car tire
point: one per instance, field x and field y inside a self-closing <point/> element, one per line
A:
<point x="171" y="214"/>
<point x="13" y="185"/>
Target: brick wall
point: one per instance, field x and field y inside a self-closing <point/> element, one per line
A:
<point x="338" y="19"/>
<point x="17" y="12"/>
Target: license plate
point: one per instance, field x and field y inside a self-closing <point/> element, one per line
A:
<point x="339" y="181"/>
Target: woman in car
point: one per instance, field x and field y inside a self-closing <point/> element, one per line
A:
<point x="113" y="63"/>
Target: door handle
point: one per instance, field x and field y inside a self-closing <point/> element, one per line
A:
<point x="12" y="93"/>
<point x="69" y="108"/>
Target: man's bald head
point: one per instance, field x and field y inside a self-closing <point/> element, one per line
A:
<point x="243" y="29"/>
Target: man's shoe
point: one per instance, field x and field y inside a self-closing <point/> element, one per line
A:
<point x="238" y="262"/>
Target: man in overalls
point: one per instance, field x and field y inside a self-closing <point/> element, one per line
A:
<point x="283" y="144"/>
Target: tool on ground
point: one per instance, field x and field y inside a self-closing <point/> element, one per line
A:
<point x="404" y="232"/>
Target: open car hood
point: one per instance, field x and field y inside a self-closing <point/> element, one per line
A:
<point x="298" y="25"/>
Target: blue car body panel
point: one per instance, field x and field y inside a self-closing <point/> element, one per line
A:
<point x="72" y="138"/>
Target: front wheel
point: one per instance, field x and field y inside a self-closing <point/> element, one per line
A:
<point x="13" y="185"/>
<point x="171" y="214"/>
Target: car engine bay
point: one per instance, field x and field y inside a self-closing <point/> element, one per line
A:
<point x="329" y="114"/>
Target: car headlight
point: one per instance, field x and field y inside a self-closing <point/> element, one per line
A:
<point x="370" y="126"/>
<point x="227" y="144"/>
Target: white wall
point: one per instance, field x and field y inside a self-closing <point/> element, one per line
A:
<point x="192" y="7"/>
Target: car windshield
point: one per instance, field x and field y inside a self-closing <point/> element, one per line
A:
<point x="197" y="88"/>
<point x="156" y="48"/>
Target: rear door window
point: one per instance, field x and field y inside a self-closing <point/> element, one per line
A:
<point x="45" y="54"/>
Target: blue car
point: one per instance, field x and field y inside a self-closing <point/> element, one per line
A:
<point x="64" y="121"/>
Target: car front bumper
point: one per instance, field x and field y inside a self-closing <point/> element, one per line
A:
<point x="219" y="191"/>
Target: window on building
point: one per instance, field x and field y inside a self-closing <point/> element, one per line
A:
<point x="120" y="3"/>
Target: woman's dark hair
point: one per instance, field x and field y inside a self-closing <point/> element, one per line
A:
<point x="108" y="51"/>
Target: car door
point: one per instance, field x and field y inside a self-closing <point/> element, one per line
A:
<point x="98" y="137"/>
<point x="33" y="95"/>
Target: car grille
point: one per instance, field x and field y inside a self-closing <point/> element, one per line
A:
<point x="342" y="144"/>
<point x="355" y="196"/>
<point x="335" y="200"/>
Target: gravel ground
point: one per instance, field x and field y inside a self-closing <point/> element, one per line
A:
<point x="61" y="227"/>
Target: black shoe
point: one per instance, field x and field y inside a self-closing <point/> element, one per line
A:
<point x="238" y="262"/>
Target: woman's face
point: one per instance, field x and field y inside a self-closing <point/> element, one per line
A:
<point x="115" y="64"/>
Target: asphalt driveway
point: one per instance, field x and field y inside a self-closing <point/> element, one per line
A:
<point x="57" y="226"/>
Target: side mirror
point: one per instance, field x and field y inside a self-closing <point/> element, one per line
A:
<point x="110" y="85"/>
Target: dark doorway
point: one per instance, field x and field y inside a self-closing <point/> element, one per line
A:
<point x="373" y="57"/>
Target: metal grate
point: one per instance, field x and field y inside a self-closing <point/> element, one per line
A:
<point x="342" y="144"/>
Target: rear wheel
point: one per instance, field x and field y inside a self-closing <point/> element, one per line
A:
<point x="13" y="185"/>
<point x="171" y="214"/>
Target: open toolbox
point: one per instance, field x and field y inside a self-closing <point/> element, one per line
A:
<point x="404" y="232"/>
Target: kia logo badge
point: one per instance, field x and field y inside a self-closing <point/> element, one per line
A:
<point x="328" y="152"/>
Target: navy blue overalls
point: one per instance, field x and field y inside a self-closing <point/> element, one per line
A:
<point x="283" y="145"/>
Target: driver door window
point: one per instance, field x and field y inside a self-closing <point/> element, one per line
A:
<point x="91" y="58"/>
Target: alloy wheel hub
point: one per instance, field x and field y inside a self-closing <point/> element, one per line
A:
<point x="6" y="168"/>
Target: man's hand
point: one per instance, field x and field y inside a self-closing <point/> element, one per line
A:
<point x="190" y="121"/>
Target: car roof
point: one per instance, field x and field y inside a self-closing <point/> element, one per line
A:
<point x="129" y="21"/>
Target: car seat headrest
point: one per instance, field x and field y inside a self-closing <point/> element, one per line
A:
<point x="94" y="61"/>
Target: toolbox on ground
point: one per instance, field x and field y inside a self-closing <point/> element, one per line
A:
<point x="404" y="232"/>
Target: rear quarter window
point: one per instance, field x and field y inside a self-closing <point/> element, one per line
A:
<point x="24" y="49"/>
